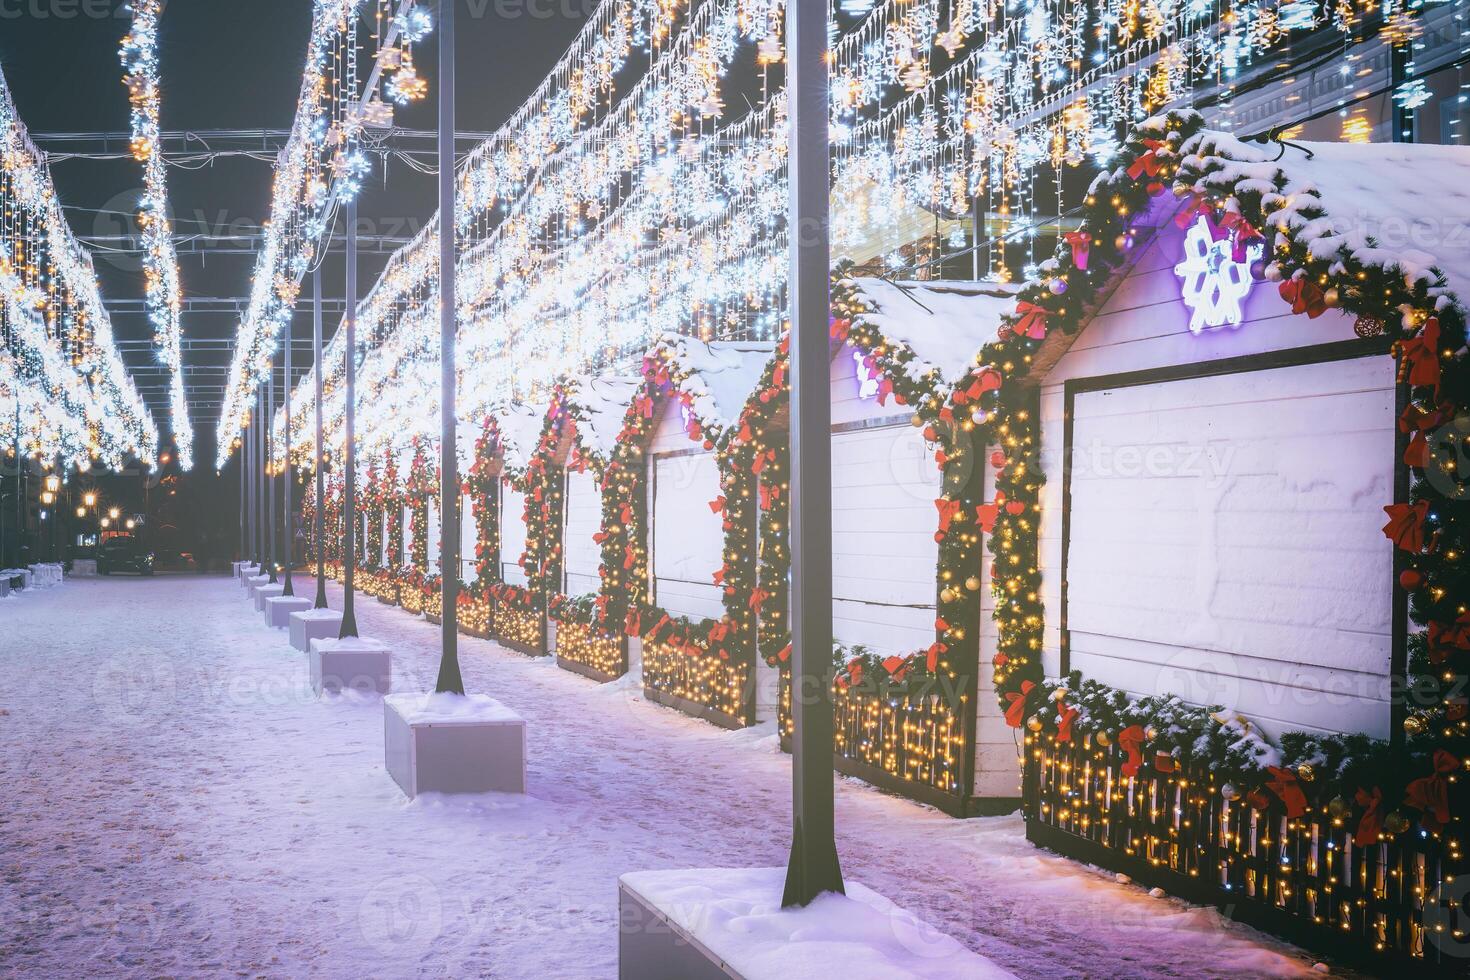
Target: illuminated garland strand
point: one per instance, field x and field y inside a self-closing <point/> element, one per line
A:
<point x="139" y="55"/>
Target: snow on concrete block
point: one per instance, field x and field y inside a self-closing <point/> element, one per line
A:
<point x="453" y="743"/>
<point x="353" y="663"/>
<point x="263" y="592"/>
<point x="278" y="610"/>
<point x="314" y="624"/>
<point x="253" y="582"/>
<point x="724" y="923"/>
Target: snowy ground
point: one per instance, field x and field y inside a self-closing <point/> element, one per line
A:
<point x="173" y="801"/>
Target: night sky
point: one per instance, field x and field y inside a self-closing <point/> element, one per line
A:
<point x="238" y="65"/>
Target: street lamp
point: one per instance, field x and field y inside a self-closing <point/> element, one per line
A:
<point x="107" y="522"/>
<point x="131" y="524"/>
<point x="81" y="512"/>
<point x="90" y="498"/>
<point x="115" y="513"/>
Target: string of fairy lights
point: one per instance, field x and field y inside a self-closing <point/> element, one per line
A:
<point x="71" y="397"/>
<point x="139" y="55"/>
<point x="321" y="167"/>
<point x="589" y="226"/>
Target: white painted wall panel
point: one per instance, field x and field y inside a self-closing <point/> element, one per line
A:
<point x="581" y="554"/>
<point x="1225" y="539"/>
<point x="848" y="403"/>
<point x="433" y="539"/>
<point x="884" y="482"/>
<point x="469" y="534"/>
<point x="512" y="534"/>
<point x="688" y="538"/>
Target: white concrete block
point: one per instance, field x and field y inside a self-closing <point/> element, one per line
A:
<point x="278" y="610"/>
<point x="314" y="624"/>
<point x="264" y="592"/>
<point x="718" y="923"/>
<point x="354" y="663"/>
<point x="251" y="582"/>
<point x="453" y="743"/>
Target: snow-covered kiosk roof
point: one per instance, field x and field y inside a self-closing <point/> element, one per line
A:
<point x="944" y="324"/>
<point x="1403" y="204"/>
<point x="520" y="428"/>
<point x="719" y="376"/>
<point x="603" y="404"/>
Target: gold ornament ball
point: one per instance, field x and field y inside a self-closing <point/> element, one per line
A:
<point x="1331" y="296"/>
<point x="1415" y="725"/>
<point x="947" y="595"/>
<point x="1305" y="772"/>
<point x="1396" y="822"/>
<point x="1150" y="733"/>
<point x="1103" y="739"/>
<point x="1337" y="808"/>
<point x="1034" y="723"/>
<point x="972" y="583"/>
<point x="1059" y="693"/>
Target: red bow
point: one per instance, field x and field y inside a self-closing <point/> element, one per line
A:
<point x="986" y="515"/>
<point x="630" y="623"/>
<point x="1066" y="714"/>
<point x="1443" y="638"/>
<point x="853" y="676"/>
<point x="987" y="379"/>
<point x="717" y="505"/>
<point x="1405" y="527"/>
<point x="839" y="328"/>
<point x="758" y="596"/>
<point x="1371" y="825"/>
<point x="1130" y="740"/>
<point x="931" y="658"/>
<point x="778" y="375"/>
<point x="1430" y="795"/>
<point x="1149" y="162"/>
<point x="785" y="653"/>
<point x="948" y="510"/>
<point x="1032" y="322"/>
<point x="1419" y="356"/>
<point x="1285" y="786"/>
<point x="1304" y="297"/>
<point x="1245" y="233"/>
<point x="1197" y="205"/>
<point x="1081" y="242"/>
<point x="1016" y="712"/>
<point x="1419" y="421"/>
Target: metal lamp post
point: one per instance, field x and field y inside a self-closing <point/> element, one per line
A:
<point x="349" y="449"/>
<point x="321" y="503"/>
<point x="813" y="868"/>
<point x="450" y="678"/>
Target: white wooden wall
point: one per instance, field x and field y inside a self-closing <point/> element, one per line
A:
<point x="1225" y="531"/>
<point x="688" y="539"/>
<point x="434" y="542"/>
<point x="581" y="555"/>
<point x="383" y="544"/>
<point x="407" y="555"/>
<point x="468" y="537"/>
<point x="512" y="534"/>
<point x="885" y="558"/>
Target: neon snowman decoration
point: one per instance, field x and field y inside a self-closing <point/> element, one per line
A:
<point x="1214" y="284"/>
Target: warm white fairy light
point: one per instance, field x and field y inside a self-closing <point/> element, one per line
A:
<point x="584" y="235"/>
<point x="60" y="347"/>
<point x="321" y="166"/>
<point x="139" y="56"/>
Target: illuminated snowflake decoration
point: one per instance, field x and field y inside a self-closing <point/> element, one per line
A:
<point x="1214" y="284"/>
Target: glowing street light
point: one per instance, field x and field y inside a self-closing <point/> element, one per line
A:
<point x="115" y="513"/>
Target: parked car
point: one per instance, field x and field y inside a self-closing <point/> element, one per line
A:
<point x="124" y="554"/>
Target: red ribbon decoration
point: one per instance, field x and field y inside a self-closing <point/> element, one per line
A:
<point x="1419" y="421"/>
<point x="986" y="516"/>
<point x="1304" y="297"/>
<point x="1033" y="321"/>
<point x="1405" y="527"/>
<point x="931" y="657"/>
<point x="948" y="510"/>
<point x="1066" y="714"/>
<point x="839" y="328"/>
<point x="1371" y="825"/>
<point x="1285" y="786"/>
<point x="717" y="505"/>
<point x="1197" y="205"/>
<point x="1130" y="740"/>
<point x="1419" y="356"/>
<point x="1149" y="162"/>
<point x="758" y="596"/>
<point x="1430" y="795"/>
<point x="1081" y="243"/>
<point x="1244" y="234"/>
<point x="1445" y="638"/>
<point x="1016" y="712"/>
<point x="785" y="653"/>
